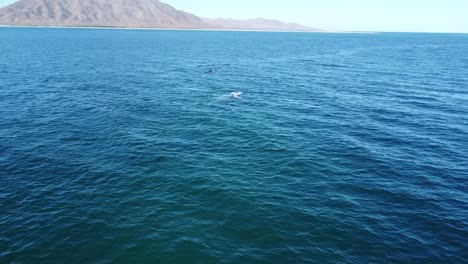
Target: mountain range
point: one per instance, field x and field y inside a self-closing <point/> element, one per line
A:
<point x="125" y="14"/>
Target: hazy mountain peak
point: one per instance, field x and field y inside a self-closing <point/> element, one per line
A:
<point x="257" y="24"/>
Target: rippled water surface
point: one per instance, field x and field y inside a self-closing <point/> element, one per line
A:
<point x="125" y="146"/>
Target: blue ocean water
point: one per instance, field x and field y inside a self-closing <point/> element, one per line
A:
<point x="125" y="146"/>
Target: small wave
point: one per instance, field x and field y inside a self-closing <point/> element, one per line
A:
<point x="331" y="65"/>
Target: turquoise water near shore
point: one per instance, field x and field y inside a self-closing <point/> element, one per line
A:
<point x="120" y="146"/>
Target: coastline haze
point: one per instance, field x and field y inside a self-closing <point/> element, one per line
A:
<point x="395" y="16"/>
<point x="126" y="14"/>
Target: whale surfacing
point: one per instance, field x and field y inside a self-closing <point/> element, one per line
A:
<point x="236" y="95"/>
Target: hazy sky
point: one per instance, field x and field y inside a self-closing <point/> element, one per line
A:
<point x="372" y="15"/>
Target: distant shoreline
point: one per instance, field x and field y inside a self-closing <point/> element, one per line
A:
<point x="234" y="30"/>
<point x="195" y="29"/>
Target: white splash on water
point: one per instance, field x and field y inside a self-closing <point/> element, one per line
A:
<point x="236" y="95"/>
<point x="230" y="96"/>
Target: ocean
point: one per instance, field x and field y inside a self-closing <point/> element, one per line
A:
<point x="128" y="146"/>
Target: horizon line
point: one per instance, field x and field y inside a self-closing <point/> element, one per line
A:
<point x="237" y="30"/>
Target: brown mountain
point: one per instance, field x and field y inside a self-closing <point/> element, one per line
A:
<point x="123" y="13"/>
<point x="105" y="13"/>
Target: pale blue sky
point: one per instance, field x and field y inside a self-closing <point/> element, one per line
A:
<point x="370" y="15"/>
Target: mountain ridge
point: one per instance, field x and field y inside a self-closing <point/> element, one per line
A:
<point x="125" y="14"/>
